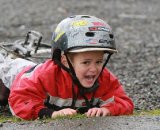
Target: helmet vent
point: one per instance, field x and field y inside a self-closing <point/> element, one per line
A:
<point x="72" y="16"/>
<point x="85" y="16"/>
<point x="111" y="36"/>
<point x="90" y="34"/>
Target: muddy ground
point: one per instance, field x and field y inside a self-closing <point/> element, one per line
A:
<point x="100" y="123"/>
<point x="136" y="25"/>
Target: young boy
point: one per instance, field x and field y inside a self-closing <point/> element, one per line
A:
<point x="75" y="80"/>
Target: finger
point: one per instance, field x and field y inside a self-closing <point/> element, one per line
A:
<point x="56" y="114"/>
<point x="99" y="112"/>
<point x="91" y="112"/>
<point x="61" y="113"/>
<point x="88" y="113"/>
<point x="105" y="112"/>
<point x="69" y="111"/>
<point x="73" y="111"/>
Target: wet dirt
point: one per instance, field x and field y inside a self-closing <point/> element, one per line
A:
<point x="99" y="123"/>
<point x="136" y="25"/>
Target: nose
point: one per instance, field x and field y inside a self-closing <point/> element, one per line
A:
<point x="93" y="68"/>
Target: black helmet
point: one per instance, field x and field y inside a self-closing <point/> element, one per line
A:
<point x="81" y="33"/>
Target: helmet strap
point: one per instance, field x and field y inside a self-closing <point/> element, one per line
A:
<point x="81" y="88"/>
<point x="89" y="104"/>
<point x="105" y="63"/>
<point x="76" y="81"/>
<point x="61" y="65"/>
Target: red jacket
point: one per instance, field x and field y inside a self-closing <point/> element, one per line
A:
<point x="32" y="86"/>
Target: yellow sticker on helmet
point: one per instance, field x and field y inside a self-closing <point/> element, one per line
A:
<point x="57" y="29"/>
<point x="80" y="23"/>
<point x="58" y="36"/>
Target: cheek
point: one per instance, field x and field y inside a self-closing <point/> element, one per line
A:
<point x="80" y="71"/>
<point x="100" y="68"/>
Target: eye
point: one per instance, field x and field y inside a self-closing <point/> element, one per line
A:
<point x="85" y="62"/>
<point x="100" y="62"/>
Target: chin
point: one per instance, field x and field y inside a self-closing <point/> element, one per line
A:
<point x="87" y="85"/>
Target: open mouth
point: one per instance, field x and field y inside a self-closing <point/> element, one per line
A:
<point x="90" y="79"/>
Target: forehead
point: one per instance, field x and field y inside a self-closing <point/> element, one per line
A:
<point x="89" y="54"/>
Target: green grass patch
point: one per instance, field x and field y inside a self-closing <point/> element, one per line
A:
<point x="78" y="116"/>
<point x="4" y="119"/>
<point x="155" y="112"/>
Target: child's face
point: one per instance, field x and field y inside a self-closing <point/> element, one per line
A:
<point x="87" y="66"/>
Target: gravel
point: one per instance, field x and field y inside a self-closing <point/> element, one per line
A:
<point x="136" y="24"/>
<point x="100" y="123"/>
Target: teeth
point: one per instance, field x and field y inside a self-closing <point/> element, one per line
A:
<point x="90" y="78"/>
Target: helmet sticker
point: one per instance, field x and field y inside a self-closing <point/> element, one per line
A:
<point x="80" y="23"/>
<point x="98" y="24"/>
<point x="99" y="29"/>
<point x="92" y="41"/>
<point x="57" y="30"/>
<point x="101" y="24"/>
<point x="58" y="35"/>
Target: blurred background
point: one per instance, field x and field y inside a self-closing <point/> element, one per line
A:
<point x="135" y="23"/>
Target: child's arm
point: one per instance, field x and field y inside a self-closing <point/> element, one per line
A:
<point x="26" y="100"/>
<point x="114" y="100"/>
<point x="28" y="94"/>
<point x="120" y="103"/>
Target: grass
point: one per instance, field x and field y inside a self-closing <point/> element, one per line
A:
<point x="79" y="116"/>
<point x="9" y="119"/>
<point x="155" y="112"/>
<point x="4" y="119"/>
